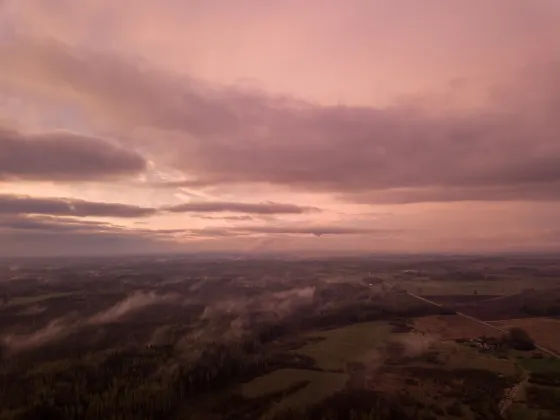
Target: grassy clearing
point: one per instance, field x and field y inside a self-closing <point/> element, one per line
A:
<point x="321" y="385"/>
<point x="28" y="300"/>
<point x="349" y="344"/>
<point x="277" y="381"/>
<point x="337" y="347"/>
<point x="545" y="365"/>
<point x="463" y="357"/>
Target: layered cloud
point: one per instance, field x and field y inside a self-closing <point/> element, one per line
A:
<point x="18" y="204"/>
<point x="31" y="236"/>
<point x="506" y="148"/>
<point x="287" y="229"/>
<point x="232" y="207"/>
<point x="63" y="156"/>
<point x="252" y="125"/>
<point x="38" y="235"/>
<point x="31" y="225"/>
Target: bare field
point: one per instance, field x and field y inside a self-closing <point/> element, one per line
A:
<point x="453" y="327"/>
<point x="546" y="331"/>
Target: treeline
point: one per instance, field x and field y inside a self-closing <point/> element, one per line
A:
<point x="149" y="383"/>
<point x="153" y="383"/>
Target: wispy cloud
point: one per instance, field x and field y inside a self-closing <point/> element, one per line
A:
<point x="17" y="204"/>
<point x="134" y="302"/>
<point x="250" y="208"/>
<point x="289" y="229"/>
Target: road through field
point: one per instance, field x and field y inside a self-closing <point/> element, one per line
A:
<point x="541" y="348"/>
<point x="431" y="302"/>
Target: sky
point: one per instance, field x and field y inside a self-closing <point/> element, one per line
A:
<point x="251" y="126"/>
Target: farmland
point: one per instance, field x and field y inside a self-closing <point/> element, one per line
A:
<point x="310" y="339"/>
<point x="541" y="329"/>
<point x="452" y="327"/>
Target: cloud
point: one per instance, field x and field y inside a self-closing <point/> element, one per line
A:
<point x="52" y="236"/>
<point x="311" y="230"/>
<point x="59" y="225"/>
<point x="233" y="207"/>
<point x="63" y="156"/>
<point x="230" y="218"/>
<point x="526" y="192"/>
<point x="48" y="235"/>
<point x="49" y="224"/>
<point x="505" y="148"/>
<point x="286" y="230"/>
<point x="18" y="204"/>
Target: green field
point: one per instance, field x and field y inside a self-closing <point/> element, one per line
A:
<point x="459" y="356"/>
<point x="320" y="386"/>
<point x="545" y="365"/>
<point x="337" y="347"/>
<point x="349" y="344"/>
<point x="28" y="300"/>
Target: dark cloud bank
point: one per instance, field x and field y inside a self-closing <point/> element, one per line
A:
<point x="63" y="156"/>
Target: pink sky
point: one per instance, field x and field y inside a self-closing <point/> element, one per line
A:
<point x="319" y="125"/>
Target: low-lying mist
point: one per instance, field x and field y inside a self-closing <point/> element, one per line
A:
<point x="64" y="326"/>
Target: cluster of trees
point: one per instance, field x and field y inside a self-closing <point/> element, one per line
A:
<point x="519" y="339"/>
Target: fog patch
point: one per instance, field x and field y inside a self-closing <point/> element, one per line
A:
<point x="159" y="336"/>
<point x="55" y="330"/>
<point x="33" y="310"/>
<point x="279" y="303"/>
<point x="63" y="327"/>
<point x="414" y="345"/>
<point x="136" y="301"/>
<point x="231" y="320"/>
